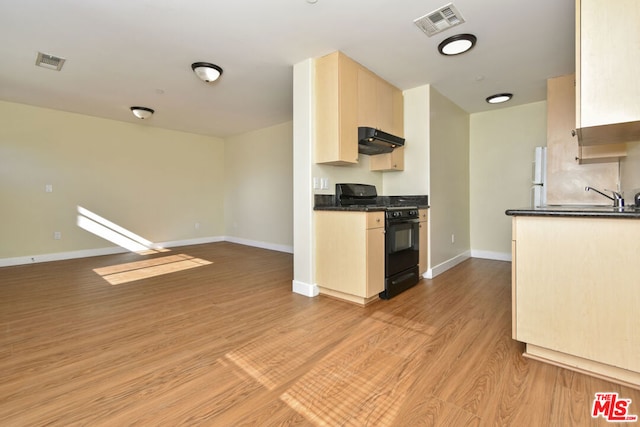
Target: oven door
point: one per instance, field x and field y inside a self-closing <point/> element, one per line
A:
<point x="401" y="245"/>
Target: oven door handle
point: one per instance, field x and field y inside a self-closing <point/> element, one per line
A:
<point x="394" y="221"/>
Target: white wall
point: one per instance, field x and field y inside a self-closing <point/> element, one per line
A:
<point x="156" y="183"/>
<point x="303" y="224"/>
<point x="414" y="180"/>
<point x="502" y="147"/>
<point x="358" y="173"/>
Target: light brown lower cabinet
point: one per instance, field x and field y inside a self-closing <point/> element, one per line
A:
<point x="350" y="255"/>
<point x="576" y="293"/>
<point x="423" y="259"/>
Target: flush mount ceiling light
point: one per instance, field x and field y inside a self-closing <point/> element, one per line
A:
<point x="455" y="45"/>
<point x="142" y="112"/>
<point x="206" y="72"/>
<point x="499" y="98"/>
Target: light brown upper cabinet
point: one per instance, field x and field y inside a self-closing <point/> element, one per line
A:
<point x="393" y="161"/>
<point x="348" y="95"/>
<point x="607" y="64"/>
<point x="336" y="109"/>
<point x="569" y="167"/>
<point x="380" y="105"/>
<point x="562" y="149"/>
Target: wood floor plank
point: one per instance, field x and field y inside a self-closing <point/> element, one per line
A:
<point x="227" y="343"/>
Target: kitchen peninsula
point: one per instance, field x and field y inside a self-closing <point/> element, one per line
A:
<point x="576" y="288"/>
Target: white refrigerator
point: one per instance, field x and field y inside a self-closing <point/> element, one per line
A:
<point x="539" y="178"/>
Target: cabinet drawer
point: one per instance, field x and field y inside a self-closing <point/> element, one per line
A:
<point x="375" y="220"/>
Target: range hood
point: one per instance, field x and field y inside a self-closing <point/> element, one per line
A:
<point x="373" y="141"/>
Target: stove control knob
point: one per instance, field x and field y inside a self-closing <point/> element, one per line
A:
<point x="413" y="213"/>
<point x="396" y="214"/>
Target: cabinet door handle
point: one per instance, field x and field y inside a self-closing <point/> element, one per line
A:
<point x="573" y="132"/>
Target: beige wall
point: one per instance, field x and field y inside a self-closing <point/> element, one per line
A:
<point x="164" y="186"/>
<point x="156" y="183"/>
<point x="449" y="180"/>
<point x="501" y="154"/>
<point x="259" y="187"/>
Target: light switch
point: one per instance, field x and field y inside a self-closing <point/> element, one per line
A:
<point x="324" y="183"/>
<point x="316" y="183"/>
<point x="48" y="188"/>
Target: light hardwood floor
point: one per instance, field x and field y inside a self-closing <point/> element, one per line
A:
<point x="224" y="342"/>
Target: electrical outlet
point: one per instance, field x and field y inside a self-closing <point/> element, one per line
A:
<point x="196" y="225"/>
<point x="453" y="239"/>
<point x="57" y="235"/>
<point x="48" y="188"/>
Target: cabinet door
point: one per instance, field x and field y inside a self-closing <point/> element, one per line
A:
<point x="367" y="99"/>
<point x="566" y="298"/>
<point x="423" y="258"/>
<point x="375" y="262"/>
<point x="607" y="60"/>
<point x="393" y="161"/>
<point x="398" y="112"/>
<point x="385" y="106"/>
<point x="567" y="178"/>
<point x="380" y="105"/>
<point x="336" y="91"/>
<point x="350" y="254"/>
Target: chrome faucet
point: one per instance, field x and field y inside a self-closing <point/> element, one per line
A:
<point x="617" y="199"/>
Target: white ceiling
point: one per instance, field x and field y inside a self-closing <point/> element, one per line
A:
<point x="121" y="53"/>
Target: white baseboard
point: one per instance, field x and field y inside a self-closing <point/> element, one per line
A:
<point x="498" y="256"/>
<point x="189" y="242"/>
<point x="305" y="289"/>
<point x="60" y="256"/>
<point x="448" y="264"/>
<point x="259" y="244"/>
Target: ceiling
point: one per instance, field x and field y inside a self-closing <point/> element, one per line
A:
<point x="121" y="53"/>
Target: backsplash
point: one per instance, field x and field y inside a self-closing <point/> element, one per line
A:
<point x="630" y="172"/>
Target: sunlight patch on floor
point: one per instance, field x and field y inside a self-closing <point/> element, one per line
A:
<point x="367" y="371"/>
<point x="132" y="271"/>
<point x="364" y="378"/>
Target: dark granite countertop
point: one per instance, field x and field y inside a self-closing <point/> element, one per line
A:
<point x="327" y="202"/>
<point x="578" y="211"/>
<point x="364" y="208"/>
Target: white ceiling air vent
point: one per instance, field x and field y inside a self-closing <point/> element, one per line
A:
<point x="439" y="20"/>
<point x="49" y="61"/>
